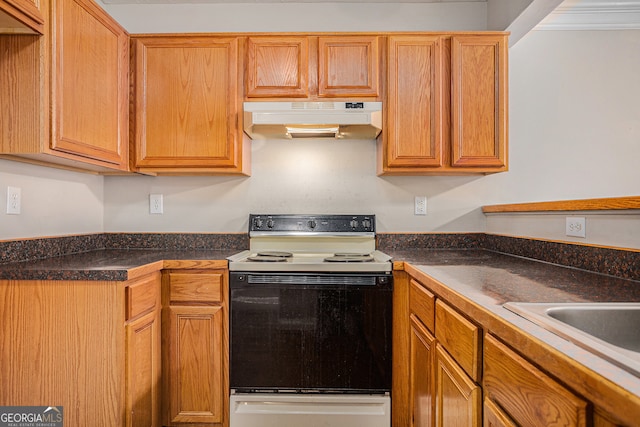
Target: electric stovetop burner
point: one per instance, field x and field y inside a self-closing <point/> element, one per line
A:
<point x="270" y="256"/>
<point x="349" y="257"/>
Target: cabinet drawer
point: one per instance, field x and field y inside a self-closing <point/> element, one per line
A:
<point x="142" y="296"/>
<point x="192" y="287"/>
<point x="422" y="304"/>
<point x="460" y="338"/>
<point x="530" y="397"/>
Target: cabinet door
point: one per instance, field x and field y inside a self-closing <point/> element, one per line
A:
<point x="143" y="371"/>
<point x="422" y="374"/>
<point x="195" y="384"/>
<point x="479" y="101"/>
<point x="277" y="67"/>
<point x="414" y="136"/>
<point x="494" y="416"/>
<point x="529" y="396"/>
<point x="186" y="104"/>
<point x="457" y="397"/>
<point x="90" y="83"/>
<point x="20" y="16"/>
<point x="348" y="66"/>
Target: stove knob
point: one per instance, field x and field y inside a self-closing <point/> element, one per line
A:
<point x="270" y="223"/>
<point x="257" y="223"/>
<point x="354" y="224"/>
<point x="366" y="224"/>
<point x="311" y="224"/>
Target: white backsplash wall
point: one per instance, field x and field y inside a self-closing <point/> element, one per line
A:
<point x="574" y="133"/>
<point x="295" y="176"/>
<point x="54" y="202"/>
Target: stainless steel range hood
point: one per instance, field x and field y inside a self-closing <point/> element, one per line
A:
<point x="338" y="120"/>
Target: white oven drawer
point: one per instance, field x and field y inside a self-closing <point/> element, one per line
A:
<point x="295" y="410"/>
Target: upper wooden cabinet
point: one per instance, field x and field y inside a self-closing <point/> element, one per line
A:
<point x="21" y="16"/>
<point x="310" y="67"/>
<point x="186" y="103"/>
<point x="446" y="105"/>
<point x="66" y="92"/>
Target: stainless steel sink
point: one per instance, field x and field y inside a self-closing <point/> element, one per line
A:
<point x="610" y="330"/>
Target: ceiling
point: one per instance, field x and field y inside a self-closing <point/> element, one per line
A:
<point x="569" y="15"/>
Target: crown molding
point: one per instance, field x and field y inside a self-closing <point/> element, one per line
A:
<point x="594" y="15"/>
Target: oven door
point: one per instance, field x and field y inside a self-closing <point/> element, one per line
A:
<point x="310" y="332"/>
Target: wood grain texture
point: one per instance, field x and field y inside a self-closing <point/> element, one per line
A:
<point x="90" y="84"/>
<point x="186" y="105"/>
<point x="460" y="337"/>
<point x="401" y="350"/>
<point x="479" y="101"/>
<point x="196" y="287"/>
<point x="143" y="370"/>
<point x="529" y="396"/>
<point x="493" y="416"/>
<point x="348" y="66"/>
<point x="422" y="383"/>
<point x="415" y="104"/>
<point x="20" y="16"/>
<point x="196" y="364"/>
<point x="422" y="303"/>
<point x="142" y="295"/>
<point x="65" y="345"/>
<point x="277" y="66"/>
<point x="600" y="204"/>
<point x="458" y="399"/>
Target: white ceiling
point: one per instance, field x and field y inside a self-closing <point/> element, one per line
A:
<point x="570" y="15"/>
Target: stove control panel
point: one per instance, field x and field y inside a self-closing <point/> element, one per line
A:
<point x="283" y="223"/>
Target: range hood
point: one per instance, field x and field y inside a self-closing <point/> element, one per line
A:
<point x="338" y="120"/>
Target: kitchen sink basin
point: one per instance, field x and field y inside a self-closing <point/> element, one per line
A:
<point x="610" y="330"/>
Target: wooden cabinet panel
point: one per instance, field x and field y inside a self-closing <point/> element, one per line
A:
<point x="141" y="296"/>
<point x="90" y="83"/>
<point x="277" y="67"/>
<point x="460" y="337"/>
<point x="196" y="287"/>
<point x="529" y="396"/>
<point x="20" y="16"/>
<point x="479" y="93"/>
<point x="312" y="67"/>
<point x="67" y="91"/>
<point x="196" y="367"/>
<point x="348" y="66"/>
<point x="423" y="304"/>
<point x="415" y="108"/>
<point x="446" y="103"/>
<point x="196" y="351"/>
<point x="422" y="382"/>
<point x="458" y="399"/>
<point x="143" y="371"/>
<point x="494" y="416"/>
<point x="186" y="105"/>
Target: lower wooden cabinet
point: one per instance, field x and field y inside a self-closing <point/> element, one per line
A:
<point x="458" y="398"/>
<point x="526" y="394"/>
<point x="195" y="351"/>
<point x="422" y="374"/>
<point x="91" y="347"/>
<point x="494" y="416"/>
<point x="143" y="370"/>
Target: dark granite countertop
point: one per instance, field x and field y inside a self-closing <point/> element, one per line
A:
<point x="479" y="282"/>
<point x="105" y="264"/>
<point x="496" y="278"/>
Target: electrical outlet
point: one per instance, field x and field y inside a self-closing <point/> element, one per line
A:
<point x="576" y="226"/>
<point x="155" y="204"/>
<point x="14" y="200"/>
<point x="420" y="205"/>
